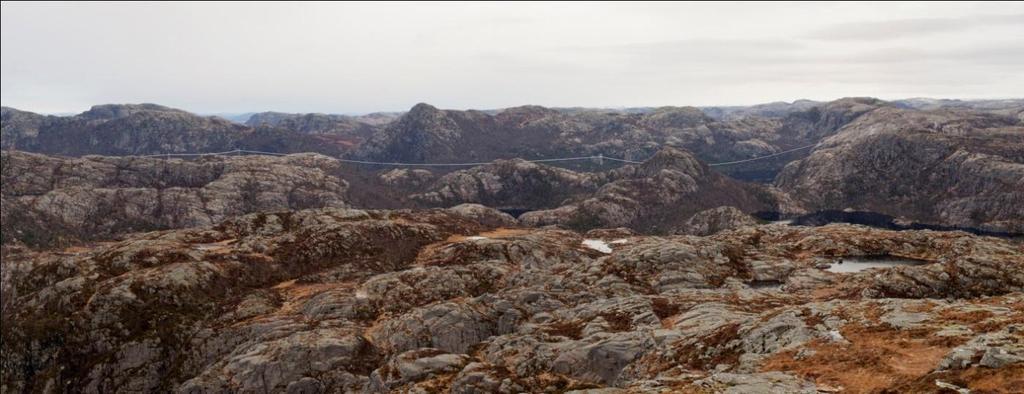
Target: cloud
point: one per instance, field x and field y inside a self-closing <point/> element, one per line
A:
<point x="690" y="53"/>
<point x="902" y="28"/>
<point x="995" y="54"/>
<point x="365" y="57"/>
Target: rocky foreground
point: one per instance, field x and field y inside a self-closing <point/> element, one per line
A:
<point x="461" y="300"/>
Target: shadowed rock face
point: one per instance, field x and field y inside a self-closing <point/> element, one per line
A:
<point x="657" y="196"/>
<point x="49" y="200"/>
<point x="944" y="167"/>
<point x="336" y="300"/>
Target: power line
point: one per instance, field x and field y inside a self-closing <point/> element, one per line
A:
<point x="258" y="152"/>
<point x="188" y="155"/>
<point x="762" y="157"/>
<point x="401" y="164"/>
<point x="397" y="164"/>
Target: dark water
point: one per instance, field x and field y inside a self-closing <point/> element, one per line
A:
<point x="516" y="212"/>
<point x="765" y="284"/>
<point x="874" y="219"/>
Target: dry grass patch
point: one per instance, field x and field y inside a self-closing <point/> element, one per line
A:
<point x="876" y="359"/>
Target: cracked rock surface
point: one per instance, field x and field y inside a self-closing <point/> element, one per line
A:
<point x="460" y="300"/>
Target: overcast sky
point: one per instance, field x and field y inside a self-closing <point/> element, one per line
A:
<point x="357" y="58"/>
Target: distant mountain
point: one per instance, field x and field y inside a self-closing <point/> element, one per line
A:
<point x="427" y="134"/>
<point x="232" y="116"/>
<point x="140" y="129"/>
<point x="345" y="130"/>
<point x="783" y="132"/>
<point x="1011" y="105"/>
<point x="317" y="123"/>
<point x="119" y="130"/>
<point x="772" y="110"/>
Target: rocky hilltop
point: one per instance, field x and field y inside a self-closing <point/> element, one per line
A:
<point x="515" y="184"/>
<point x="53" y="201"/>
<point x="119" y="130"/>
<point x="950" y="167"/>
<point x="340" y="300"/>
<point x="353" y="130"/>
<point x="658" y="197"/>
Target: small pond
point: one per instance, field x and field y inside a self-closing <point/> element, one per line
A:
<point x="847" y="265"/>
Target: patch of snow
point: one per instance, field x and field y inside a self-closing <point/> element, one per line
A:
<point x="597" y="245"/>
<point x="835" y="336"/>
<point x="619" y="241"/>
<point x="950" y="386"/>
<point x="361" y="293"/>
<point x="476" y="238"/>
<point x="850" y="265"/>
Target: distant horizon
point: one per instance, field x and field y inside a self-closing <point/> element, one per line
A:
<point x="385" y="111"/>
<point x="358" y="58"/>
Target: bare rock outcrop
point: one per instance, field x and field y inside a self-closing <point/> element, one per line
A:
<point x="342" y="300"/>
<point x="714" y="220"/>
<point x="946" y="167"/>
<point x="52" y="200"/>
<point x="657" y="196"/>
<point x="512" y="183"/>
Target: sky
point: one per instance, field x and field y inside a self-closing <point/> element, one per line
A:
<point x="365" y="57"/>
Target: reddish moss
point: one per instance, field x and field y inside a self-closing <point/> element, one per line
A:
<point x="663" y="308"/>
<point x="573" y="329"/>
